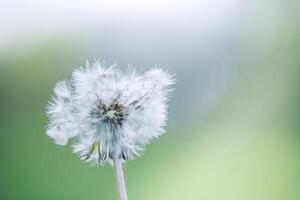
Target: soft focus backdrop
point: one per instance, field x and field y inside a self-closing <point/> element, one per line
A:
<point x="233" y="131"/>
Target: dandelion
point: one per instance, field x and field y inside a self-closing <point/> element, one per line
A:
<point x="109" y="115"/>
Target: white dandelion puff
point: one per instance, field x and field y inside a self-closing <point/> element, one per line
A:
<point x="107" y="113"/>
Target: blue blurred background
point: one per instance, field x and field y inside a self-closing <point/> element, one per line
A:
<point x="233" y="129"/>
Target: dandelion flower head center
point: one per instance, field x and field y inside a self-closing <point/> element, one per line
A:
<point x="112" y="114"/>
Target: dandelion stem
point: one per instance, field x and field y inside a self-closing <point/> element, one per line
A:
<point x="120" y="178"/>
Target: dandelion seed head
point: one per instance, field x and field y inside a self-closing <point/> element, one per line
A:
<point x="104" y="112"/>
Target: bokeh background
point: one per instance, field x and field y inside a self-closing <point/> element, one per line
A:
<point x="233" y="129"/>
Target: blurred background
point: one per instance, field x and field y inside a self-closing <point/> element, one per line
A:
<point x="233" y="129"/>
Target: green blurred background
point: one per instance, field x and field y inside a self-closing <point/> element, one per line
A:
<point x="233" y="129"/>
